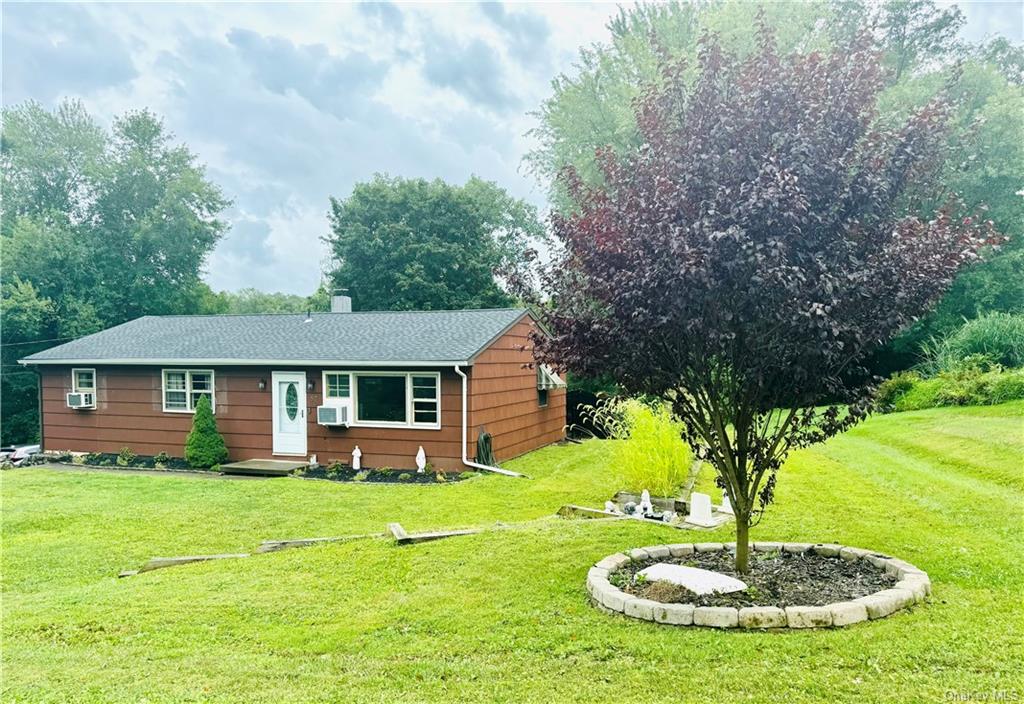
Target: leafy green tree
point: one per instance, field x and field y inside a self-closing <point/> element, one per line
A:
<point x="1005" y="56"/>
<point x="25" y="315"/>
<point x="204" y="446"/>
<point x="97" y="228"/>
<point x="413" y="244"/>
<point x="916" y="31"/>
<point x="51" y="161"/>
<point x="593" y="107"/>
<point x="986" y="167"/>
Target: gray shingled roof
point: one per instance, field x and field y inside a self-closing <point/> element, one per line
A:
<point x="380" y="337"/>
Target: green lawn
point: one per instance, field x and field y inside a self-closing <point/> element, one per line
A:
<point x="502" y="616"/>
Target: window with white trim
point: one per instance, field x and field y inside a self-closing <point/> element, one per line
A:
<point x="83" y="381"/>
<point x="426" y="399"/>
<point x="182" y="389"/>
<point x="387" y="399"/>
<point x="382" y="398"/>
<point x="337" y="385"/>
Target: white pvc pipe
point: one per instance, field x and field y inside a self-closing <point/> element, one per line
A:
<point x="465" y="454"/>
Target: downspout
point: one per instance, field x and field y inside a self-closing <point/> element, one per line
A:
<point x="39" y="388"/>
<point x="465" y="455"/>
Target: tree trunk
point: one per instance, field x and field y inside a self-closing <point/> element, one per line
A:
<point x="742" y="544"/>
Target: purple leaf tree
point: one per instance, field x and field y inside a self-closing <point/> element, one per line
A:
<point x="761" y="242"/>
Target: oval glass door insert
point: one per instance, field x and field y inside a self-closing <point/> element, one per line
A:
<point x="291" y="401"/>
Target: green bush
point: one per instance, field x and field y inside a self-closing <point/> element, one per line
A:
<point x="204" y="446"/>
<point x="653" y="456"/>
<point x="894" y="388"/>
<point x="963" y="387"/>
<point x="1007" y="386"/>
<point x="125" y="457"/>
<point x="996" y="338"/>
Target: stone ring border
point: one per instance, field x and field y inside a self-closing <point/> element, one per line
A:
<point x="912" y="588"/>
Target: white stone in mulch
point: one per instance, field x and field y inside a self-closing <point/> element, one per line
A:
<point x="696" y="580"/>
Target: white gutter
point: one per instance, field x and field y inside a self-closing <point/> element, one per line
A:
<point x="227" y="362"/>
<point x="465" y="455"/>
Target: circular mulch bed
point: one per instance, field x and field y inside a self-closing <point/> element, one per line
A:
<point x="794" y="585"/>
<point x="776" y="578"/>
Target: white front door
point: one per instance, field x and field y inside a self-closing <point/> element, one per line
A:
<point x="289" y="399"/>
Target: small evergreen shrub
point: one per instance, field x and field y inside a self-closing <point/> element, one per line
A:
<point x="161" y="458"/>
<point x="125" y="457"/>
<point x="204" y="446"/>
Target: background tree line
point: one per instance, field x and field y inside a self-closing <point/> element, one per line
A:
<point x="98" y="227"/>
<point x="103" y="226"/>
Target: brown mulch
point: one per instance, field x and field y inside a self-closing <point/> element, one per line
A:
<point x="775" y="579"/>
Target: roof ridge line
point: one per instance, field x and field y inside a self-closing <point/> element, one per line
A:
<point x="325" y="312"/>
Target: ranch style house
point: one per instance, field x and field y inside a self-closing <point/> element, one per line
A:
<point x="290" y="386"/>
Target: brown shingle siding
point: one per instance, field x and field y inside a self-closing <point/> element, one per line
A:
<point x="130" y="413"/>
<point x="503" y="397"/>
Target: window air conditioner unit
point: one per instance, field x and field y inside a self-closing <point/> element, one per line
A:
<point x="336" y="414"/>
<point x="82" y="399"/>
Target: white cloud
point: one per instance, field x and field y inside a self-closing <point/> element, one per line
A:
<point x="289" y="104"/>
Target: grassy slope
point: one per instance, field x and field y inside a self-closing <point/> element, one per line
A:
<point x="460" y="619"/>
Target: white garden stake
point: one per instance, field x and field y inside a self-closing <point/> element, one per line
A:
<point x="421" y="460"/>
<point x="356" y="454"/>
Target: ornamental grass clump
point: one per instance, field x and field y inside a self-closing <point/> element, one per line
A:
<point x="652" y="454"/>
<point x="204" y="447"/>
<point x="996" y="338"/>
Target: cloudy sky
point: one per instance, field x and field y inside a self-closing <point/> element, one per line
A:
<point x="290" y="104"/>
